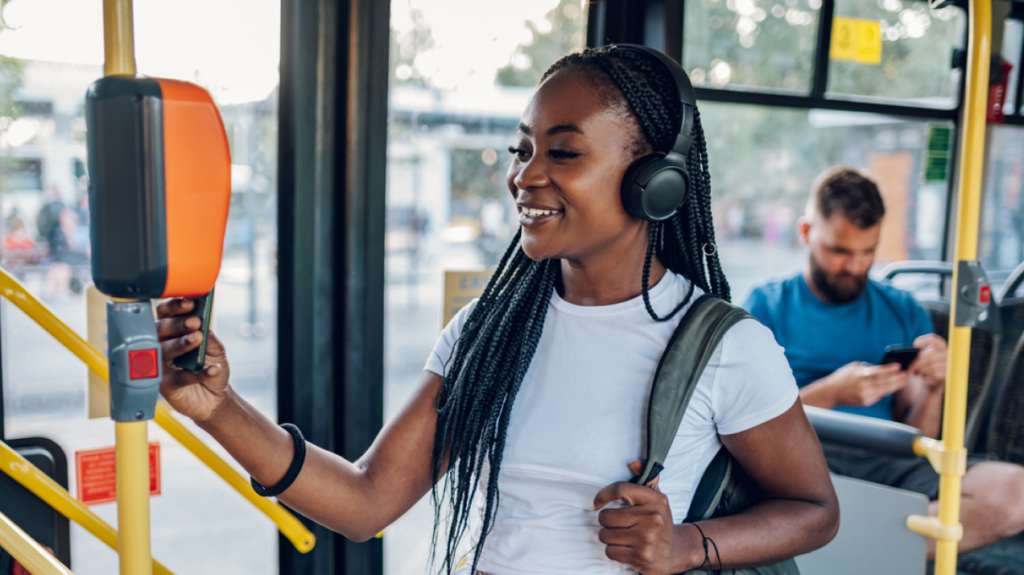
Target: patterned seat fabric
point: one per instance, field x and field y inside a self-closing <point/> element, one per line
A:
<point x="1006" y="438"/>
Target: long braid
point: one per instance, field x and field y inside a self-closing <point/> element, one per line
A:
<point x="499" y="338"/>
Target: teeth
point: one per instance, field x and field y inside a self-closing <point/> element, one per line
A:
<point x="533" y="213"/>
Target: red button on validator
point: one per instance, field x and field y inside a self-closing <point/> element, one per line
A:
<point x="142" y="364"/>
<point x="984" y="295"/>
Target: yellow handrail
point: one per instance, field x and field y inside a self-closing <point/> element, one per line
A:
<point x="131" y="451"/>
<point x="45" y="488"/>
<point x="118" y="38"/>
<point x="288" y="524"/>
<point x="951" y="456"/>
<point x="27" y="552"/>
<point x="132" y="464"/>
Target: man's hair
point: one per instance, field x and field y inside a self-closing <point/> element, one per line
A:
<point x="849" y="193"/>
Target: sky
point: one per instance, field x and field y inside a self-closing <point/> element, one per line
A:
<point x="232" y="47"/>
<point x="474" y="37"/>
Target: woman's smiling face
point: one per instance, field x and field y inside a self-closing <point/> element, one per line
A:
<point x="572" y="150"/>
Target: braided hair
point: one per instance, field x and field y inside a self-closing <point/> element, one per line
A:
<point x="500" y="336"/>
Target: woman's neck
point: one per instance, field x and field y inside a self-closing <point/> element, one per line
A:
<point x="607" y="279"/>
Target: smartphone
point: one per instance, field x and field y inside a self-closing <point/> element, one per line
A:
<point x="901" y="354"/>
<point x="195" y="360"/>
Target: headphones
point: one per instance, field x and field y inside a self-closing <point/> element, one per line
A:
<point x="656" y="185"/>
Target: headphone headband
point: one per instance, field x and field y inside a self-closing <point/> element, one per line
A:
<point x="656" y="185"/>
<point x="684" y="91"/>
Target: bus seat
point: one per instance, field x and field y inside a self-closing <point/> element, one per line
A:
<point x="874" y="516"/>
<point x="1003" y="557"/>
<point x="1006" y="431"/>
<point x="1011" y="320"/>
<point x="985" y="347"/>
<point x="873" y="537"/>
<point x="30" y="513"/>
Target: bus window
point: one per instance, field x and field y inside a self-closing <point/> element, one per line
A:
<point x="1001" y="246"/>
<point x="750" y="43"/>
<point x="457" y="93"/>
<point x="1013" y="37"/>
<point x="914" y="63"/>
<point x="764" y="161"/>
<point x="50" y="52"/>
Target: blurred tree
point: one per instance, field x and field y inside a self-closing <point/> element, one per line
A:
<point x="560" y="32"/>
<point x="12" y="72"/>
<point x="405" y="47"/>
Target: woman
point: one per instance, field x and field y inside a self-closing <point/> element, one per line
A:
<point x="537" y="391"/>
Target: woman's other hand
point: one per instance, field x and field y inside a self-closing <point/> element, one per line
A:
<point x="642" y="534"/>
<point x="197" y="395"/>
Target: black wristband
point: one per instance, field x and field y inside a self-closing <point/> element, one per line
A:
<point x="293" y="471"/>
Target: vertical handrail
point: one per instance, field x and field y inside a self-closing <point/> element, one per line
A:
<point x="131" y="451"/>
<point x="118" y="38"/>
<point x="972" y="154"/>
<point x="27" y="552"/>
<point x="289" y="525"/>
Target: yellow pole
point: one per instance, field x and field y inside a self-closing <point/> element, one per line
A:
<point x="118" y="38"/>
<point x="972" y="154"/>
<point x="27" y="552"/>
<point x="132" y="461"/>
<point x="289" y="525"/>
<point x="132" y="447"/>
<point x="44" y="487"/>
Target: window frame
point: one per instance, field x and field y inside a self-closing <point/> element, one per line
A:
<point x="663" y="28"/>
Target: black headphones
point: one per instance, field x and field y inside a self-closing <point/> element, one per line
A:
<point x="656" y="185"/>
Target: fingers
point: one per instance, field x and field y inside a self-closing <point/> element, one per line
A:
<point x="636" y="466"/>
<point x="891" y="382"/>
<point x="173" y="348"/>
<point x="175" y="326"/>
<point x="176" y="378"/>
<point x="619" y="519"/>
<point x="214" y="348"/>
<point x="888" y="368"/>
<point x="174" y="306"/>
<point x="629" y="492"/>
<point x="619" y="553"/>
<point x="929" y="339"/>
<point x="616" y="536"/>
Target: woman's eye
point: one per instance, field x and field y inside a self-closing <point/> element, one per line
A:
<point x="519" y="153"/>
<point x="562" y="154"/>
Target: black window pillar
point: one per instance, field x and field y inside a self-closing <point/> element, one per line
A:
<point x="615" y="21"/>
<point x="332" y="164"/>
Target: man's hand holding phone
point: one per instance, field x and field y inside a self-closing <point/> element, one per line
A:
<point x="863" y="384"/>
<point x="931" y="361"/>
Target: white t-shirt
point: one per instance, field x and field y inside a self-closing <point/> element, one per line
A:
<point x="579" y="417"/>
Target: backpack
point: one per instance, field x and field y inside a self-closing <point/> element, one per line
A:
<point x="723" y="489"/>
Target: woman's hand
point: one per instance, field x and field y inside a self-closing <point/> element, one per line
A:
<point x="197" y="395"/>
<point x="642" y="535"/>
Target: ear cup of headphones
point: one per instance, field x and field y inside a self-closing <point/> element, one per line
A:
<point x="655" y="186"/>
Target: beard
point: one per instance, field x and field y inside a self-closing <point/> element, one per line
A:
<point x="837" y="288"/>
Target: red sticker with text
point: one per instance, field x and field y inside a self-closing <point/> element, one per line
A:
<point x="97" y="475"/>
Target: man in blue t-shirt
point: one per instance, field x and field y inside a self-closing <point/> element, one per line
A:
<point x="834" y="323"/>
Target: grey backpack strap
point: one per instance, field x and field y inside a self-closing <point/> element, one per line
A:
<point x="679" y="370"/>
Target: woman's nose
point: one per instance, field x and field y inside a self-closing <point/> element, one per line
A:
<point x="531" y="174"/>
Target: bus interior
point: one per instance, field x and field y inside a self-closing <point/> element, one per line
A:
<point x="368" y="202"/>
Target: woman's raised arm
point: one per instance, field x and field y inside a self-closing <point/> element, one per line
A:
<point x="356" y="499"/>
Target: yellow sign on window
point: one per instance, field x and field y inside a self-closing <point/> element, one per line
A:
<point x="460" y="288"/>
<point x="856" y="40"/>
